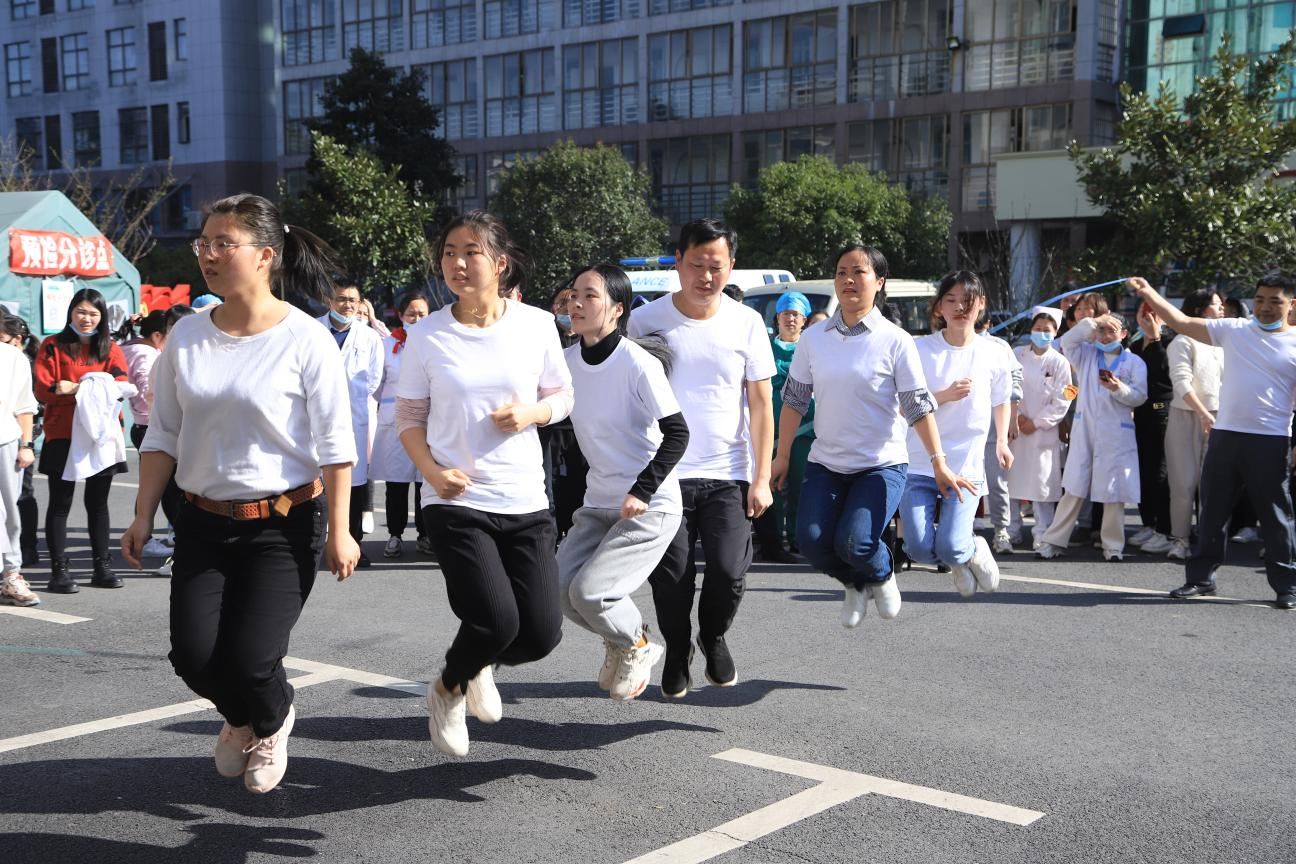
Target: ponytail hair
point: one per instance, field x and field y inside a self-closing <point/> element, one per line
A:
<point x="617" y="286"/>
<point x="303" y="263"/>
<point x="489" y="232"/>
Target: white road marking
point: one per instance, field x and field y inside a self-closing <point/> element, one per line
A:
<point x="43" y="615"/>
<point x="835" y="787"/>
<point x="1120" y="589"/>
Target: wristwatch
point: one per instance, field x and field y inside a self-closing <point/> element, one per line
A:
<point x="27" y="445"/>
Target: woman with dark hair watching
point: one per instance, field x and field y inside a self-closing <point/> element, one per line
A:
<point x="633" y="434"/>
<point x="81" y="348"/>
<point x="478" y="376"/>
<point x="17" y="411"/>
<point x="250" y="404"/>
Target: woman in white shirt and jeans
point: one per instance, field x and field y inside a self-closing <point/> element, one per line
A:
<point x="477" y="378"/>
<point x="249" y="405"/>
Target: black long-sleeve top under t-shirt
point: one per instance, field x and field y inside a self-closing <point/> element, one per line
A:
<point x="1160" y="388"/>
<point x="675" y="434"/>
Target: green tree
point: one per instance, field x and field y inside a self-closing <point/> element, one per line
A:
<point x="572" y="206"/>
<point x="799" y="213"/>
<point x="382" y="109"/>
<point x="367" y="214"/>
<point x="170" y="264"/>
<point x="1196" y="187"/>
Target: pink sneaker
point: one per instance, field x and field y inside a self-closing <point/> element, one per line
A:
<point x="15" y="591"/>
<point x="268" y="758"/>
<point x="232" y="750"/>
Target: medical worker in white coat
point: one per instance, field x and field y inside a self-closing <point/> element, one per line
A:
<point x="1047" y="390"/>
<point x="362" y="358"/>
<point x="1102" y="464"/>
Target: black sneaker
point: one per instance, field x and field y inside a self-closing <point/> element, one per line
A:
<point x="364" y="563"/>
<point x="720" y="671"/>
<point x="1286" y="602"/>
<point x="675" y="681"/>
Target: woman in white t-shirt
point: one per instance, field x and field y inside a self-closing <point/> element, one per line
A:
<point x="249" y="406"/>
<point x="868" y="386"/>
<point x="632" y="433"/>
<point x="971" y="379"/>
<point x="478" y="377"/>
<point x="390" y="463"/>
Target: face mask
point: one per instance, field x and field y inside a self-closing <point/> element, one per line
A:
<point x="93" y="330"/>
<point x="1269" y="328"/>
<point x="1040" y="339"/>
<point x="342" y="320"/>
<point x="564" y="321"/>
<point x="1110" y="347"/>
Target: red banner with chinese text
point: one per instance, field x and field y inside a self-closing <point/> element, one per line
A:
<point x="53" y="253"/>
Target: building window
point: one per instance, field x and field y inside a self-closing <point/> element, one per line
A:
<point x="134" y="135"/>
<point x="763" y="149"/>
<point x="157" y="50"/>
<point x="28" y="134"/>
<point x="442" y="22"/>
<point x="583" y="13"/>
<point x="177" y="207"/>
<point x="301" y="103"/>
<point x="182" y="122"/>
<point x="161" y="122"/>
<point x="121" y="57"/>
<point x="986" y="134"/>
<point x="498" y="163"/>
<point x="54" y="141"/>
<point x="690" y="73"/>
<point x="897" y="49"/>
<point x="1017" y="43"/>
<point x="466" y="192"/>
<point x="790" y="62"/>
<point x="601" y="84"/>
<point x="49" y="65"/>
<point x="663" y="7"/>
<point x="521" y="93"/>
<point x="515" y="17"/>
<point x="923" y="155"/>
<point x="74" y="5"/>
<point x="76" y="61"/>
<point x="86" y="149"/>
<point x="375" y="25"/>
<point x="690" y="176"/>
<point x="20" y="9"/>
<point x="309" y="32"/>
<point x="869" y="143"/>
<point x="180" y="35"/>
<point x="18" y="72"/>
<point x="452" y="88"/>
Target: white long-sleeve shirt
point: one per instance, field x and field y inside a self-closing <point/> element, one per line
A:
<point x="248" y="417"/>
<point x="16" y="396"/>
<point x="1195" y="367"/>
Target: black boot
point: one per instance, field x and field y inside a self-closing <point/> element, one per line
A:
<point x="104" y="577"/>
<point x="60" y="581"/>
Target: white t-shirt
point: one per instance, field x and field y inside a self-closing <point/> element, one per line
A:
<point x="618" y="404"/>
<point x="713" y="360"/>
<point x="250" y="416"/>
<point x="1258" y="387"/>
<point x="963" y="424"/>
<point x="857" y="381"/>
<point x="468" y="373"/>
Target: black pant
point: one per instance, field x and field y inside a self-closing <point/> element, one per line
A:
<point x="502" y="581"/>
<point x="171" y="495"/>
<point x="237" y="589"/>
<point x="565" y="470"/>
<point x="1154" y="485"/>
<point x="28" y="510"/>
<point x="1238" y="462"/>
<point x="355" y="515"/>
<point x="398" y="496"/>
<point x="715" y="512"/>
<point x="61" y="493"/>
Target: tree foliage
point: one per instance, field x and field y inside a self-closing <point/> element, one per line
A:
<point x="799" y="213"/>
<point x="367" y="214"/>
<point x="1196" y="187"/>
<point x="572" y="206"/>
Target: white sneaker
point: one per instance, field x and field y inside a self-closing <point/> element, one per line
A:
<point x="268" y="758"/>
<point x="1246" y="535"/>
<point x="165" y="569"/>
<point x="232" y="749"/>
<point x="1048" y="551"/>
<point x="1114" y="557"/>
<point x="447" y="722"/>
<point x="367" y="522"/>
<point x="1178" y="550"/>
<point x="1143" y="535"/>
<point x="984" y="567"/>
<point x="483" y="699"/>
<point x="886" y="596"/>
<point x="854" y="607"/>
<point x="1158" y="545"/>
<point x="14" y="591"/>
<point x="155" y="548"/>
<point x="964" y="581"/>
<point x="1003" y="543"/>
<point x="633" y="669"/>
<point x="608" y="669"/>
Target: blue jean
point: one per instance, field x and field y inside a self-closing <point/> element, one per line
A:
<point x="925" y="542"/>
<point x="841" y="518"/>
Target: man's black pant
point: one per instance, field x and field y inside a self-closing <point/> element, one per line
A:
<point x="715" y="512"/>
<point x="1150" y="421"/>
<point x="398" y="496"/>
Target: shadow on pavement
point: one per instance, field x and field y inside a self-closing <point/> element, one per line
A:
<point x="740" y="695"/>
<point x="212" y="842"/>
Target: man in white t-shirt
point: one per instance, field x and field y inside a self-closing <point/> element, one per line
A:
<point x="1250" y="444"/>
<point x="721" y="370"/>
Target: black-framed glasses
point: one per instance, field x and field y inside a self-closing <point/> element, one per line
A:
<point x="219" y="248"/>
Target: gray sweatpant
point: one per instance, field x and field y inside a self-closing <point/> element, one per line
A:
<point x="10" y="489"/>
<point x="602" y="560"/>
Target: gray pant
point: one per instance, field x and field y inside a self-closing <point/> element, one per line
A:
<point x="10" y="488"/>
<point x="996" y="486"/>
<point x="602" y="560"/>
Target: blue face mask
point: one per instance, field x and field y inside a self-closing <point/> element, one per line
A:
<point x="92" y="331"/>
<point x="1041" y="340"/>
<point x="564" y="321"/>
<point x="1269" y="328"/>
<point x="1110" y="347"/>
<point x="342" y="320"/>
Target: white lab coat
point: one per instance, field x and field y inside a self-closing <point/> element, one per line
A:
<point x="1036" y="474"/>
<point x="390" y="462"/>
<point x="362" y="358"/>
<point x="1102" y="464"/>
<point x="97" y="440"/>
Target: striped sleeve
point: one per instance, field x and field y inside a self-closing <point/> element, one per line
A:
<point x="916" y="404"/>
<point x="796" y="395"/>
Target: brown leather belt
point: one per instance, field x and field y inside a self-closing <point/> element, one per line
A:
<point x="244" y="511"/>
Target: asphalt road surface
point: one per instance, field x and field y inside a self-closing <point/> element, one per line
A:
<point x="1077" y="715"/>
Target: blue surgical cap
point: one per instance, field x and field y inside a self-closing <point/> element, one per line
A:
<point x="793" y="300"/>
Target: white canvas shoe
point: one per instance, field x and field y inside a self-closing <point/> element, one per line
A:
<point x="483" y="699"/>
<point x="984" y="567"/>
<point x="447" y="721"/>
<point x="886" y="596"/>
<point x="1143" y="535"/>
<point x="1158" y="545"/>
<point x="1178" y="550"/>
<point x="854" y="607"/>
<point x="1003" y="543"/>
<point x="964" y="581"/>
<point x="633" y="669"/>
<point x="608" y="670"/>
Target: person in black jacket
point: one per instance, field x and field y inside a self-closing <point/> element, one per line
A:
<point x="1150" y="420"/>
